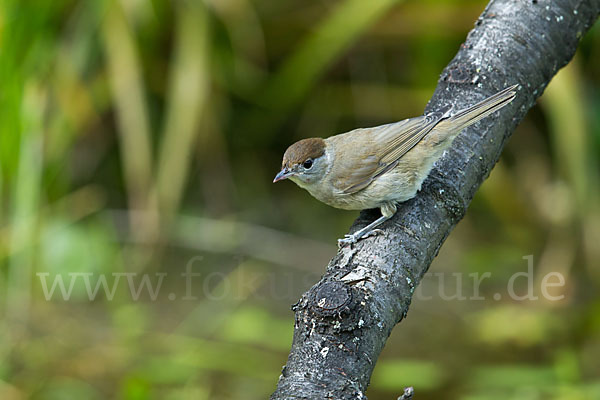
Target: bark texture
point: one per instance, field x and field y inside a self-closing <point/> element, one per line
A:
<point x="344" y="320"/>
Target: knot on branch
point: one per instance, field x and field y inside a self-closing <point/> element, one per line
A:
<point x="330" y="298"/>
<point x="332" y="307"/>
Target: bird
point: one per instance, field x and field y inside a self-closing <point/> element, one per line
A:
<point x="382" y="166"/>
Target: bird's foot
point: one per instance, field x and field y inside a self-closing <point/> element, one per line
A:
<point x="372" y="232"/>
<point x="347" y="240"/>
<point x="355" y="237"/>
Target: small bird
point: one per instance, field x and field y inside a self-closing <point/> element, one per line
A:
<point x="382" y="166"/>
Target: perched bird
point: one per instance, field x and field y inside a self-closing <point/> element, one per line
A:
<point x="382" y="166"/>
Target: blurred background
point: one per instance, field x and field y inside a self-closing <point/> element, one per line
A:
<point x="145" y="253"/>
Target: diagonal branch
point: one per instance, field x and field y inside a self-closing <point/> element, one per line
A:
<point x="343" y="321"/>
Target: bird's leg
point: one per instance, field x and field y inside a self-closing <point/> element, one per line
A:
<point x="387" y="211"/>
<point x="366" y="231"/>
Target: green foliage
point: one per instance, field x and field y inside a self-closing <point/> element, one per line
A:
<point x="139" y="139"/>
<point x="394" y="375"/>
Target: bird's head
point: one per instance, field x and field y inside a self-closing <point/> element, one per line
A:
<point x="304" y="162"/>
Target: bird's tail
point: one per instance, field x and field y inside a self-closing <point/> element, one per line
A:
<point x="470" y="115"/>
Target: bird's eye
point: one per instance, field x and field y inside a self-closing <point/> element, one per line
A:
<point x="308" y="164"/>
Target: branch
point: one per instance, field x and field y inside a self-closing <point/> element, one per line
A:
<point x="343" y="321"/>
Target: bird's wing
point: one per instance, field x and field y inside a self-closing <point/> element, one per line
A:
<point x="392" y="141"/>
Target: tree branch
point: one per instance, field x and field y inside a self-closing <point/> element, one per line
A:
<point x="343" y="321"/>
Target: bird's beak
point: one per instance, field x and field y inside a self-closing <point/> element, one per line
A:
<point x="283" y="174"/>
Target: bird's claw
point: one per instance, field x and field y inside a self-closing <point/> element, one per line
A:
<point x="347" y="240"/>
<point x="351" y="239"/>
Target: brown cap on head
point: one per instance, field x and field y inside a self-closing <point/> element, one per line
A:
<point x="302" y="151"/>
